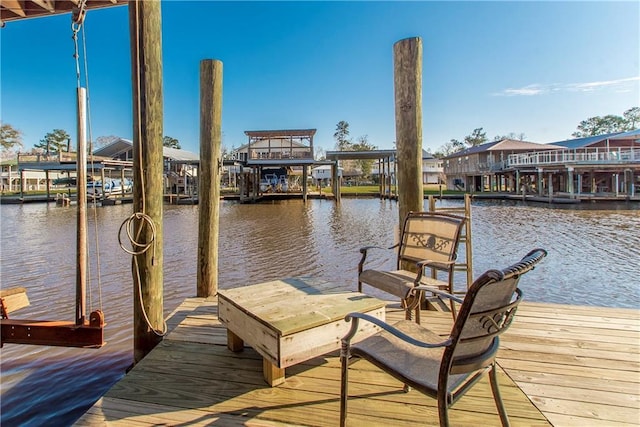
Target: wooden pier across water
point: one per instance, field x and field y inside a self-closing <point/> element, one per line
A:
<point x="560" y="365"/>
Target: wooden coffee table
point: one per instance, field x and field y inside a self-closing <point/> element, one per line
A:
<point x="292" y="320"/>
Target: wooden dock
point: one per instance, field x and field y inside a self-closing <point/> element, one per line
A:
<point x="561" y="365"/>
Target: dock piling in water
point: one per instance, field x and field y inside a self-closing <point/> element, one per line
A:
<point x="408" y="105"/>
<point x="209" y="175"/>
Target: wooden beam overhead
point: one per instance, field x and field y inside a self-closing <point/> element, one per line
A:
<point x="14" y="7"/>
<point x="13" y="10"/>
<point x="46" y="5"/>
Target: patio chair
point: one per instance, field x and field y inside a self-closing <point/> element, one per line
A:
<point x="429" y="240"/>
<point x="445" y="368"/>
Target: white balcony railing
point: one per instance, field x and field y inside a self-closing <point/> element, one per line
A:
<point x="599" y="155"/>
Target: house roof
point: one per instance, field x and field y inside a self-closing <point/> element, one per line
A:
<point x="122" y="145"/>
<point x="282" y="133"/>
<point x="502" y="145"/>
<point x="264" y="143"/>
<point x="427" y="156"/>
<point x="175" y="154"/>
<point x="353" y="155"/>
<point x="114" y="148"/>
<point x="584" y="142"/>
<point x="633" y="134"/>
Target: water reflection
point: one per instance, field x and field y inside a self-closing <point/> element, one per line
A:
<point x="593" y="260"/>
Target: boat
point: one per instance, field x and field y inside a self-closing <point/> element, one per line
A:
<point x="96" y="189"/>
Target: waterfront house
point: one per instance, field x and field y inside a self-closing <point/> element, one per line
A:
<point x="598" y="166"/>
<point x="482" y="168"/>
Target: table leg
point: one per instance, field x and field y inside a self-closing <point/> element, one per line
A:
<point x="272" y="374"/>
<point x="234" y="342"/>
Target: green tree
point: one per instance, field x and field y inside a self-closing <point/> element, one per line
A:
<point x="476" y="138"/>
<point x="54" y="142"/>
<point x="170" y="142"/>
<point x="363" y="144"/>
<point x="632" y="117"/>
<point x="600" y="125"/>
<point x="10" y="137"/>
<point x="343" y="143"/>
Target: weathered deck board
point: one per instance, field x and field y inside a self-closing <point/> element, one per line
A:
<point x="564" y="365"/>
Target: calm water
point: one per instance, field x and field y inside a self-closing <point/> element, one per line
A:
<point x="593" y="260"/>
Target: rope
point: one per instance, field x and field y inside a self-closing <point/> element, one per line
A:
<point x="77" y="24"/>
<point x="140" y="248"/>
<point x="91" y="160"/>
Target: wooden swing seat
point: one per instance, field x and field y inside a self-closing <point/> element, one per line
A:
<point x="46" y="332"/>
<point x="54" y="333"/>
<point x="13" y="299"/>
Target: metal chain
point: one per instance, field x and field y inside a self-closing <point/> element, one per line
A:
<point x="77" y="19"/>
<point x="76" y="55"/>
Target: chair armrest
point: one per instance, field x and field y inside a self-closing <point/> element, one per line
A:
<point x="439" y="293"/>
<point x="364" y="250"/>
<point x="387" y="327"/>
<point x="429" y="263"/>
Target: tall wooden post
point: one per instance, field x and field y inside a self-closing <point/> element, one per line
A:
<point x="146" y="75"/>
<point x="209" y="175"/>
<point x="22" y="183"/>
<point x="81" y="207"/>
<point x="408" y="104"/>
<point x="305" y="174"/>
<point x="335" y="177"/>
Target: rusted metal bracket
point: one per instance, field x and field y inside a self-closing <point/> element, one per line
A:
<point x="54" y="333"/>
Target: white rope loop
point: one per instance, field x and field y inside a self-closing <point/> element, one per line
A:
<point x="138" y="248"/>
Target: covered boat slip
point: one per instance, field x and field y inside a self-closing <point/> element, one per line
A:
<point x="560" y="365"/>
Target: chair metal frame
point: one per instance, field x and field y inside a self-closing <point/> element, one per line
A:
<point x="436" y="250"/>
<point x="465" y="237"/>
<point x="445" y="369"/>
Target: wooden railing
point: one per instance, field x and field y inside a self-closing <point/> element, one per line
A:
<point x="44" y="157"/>
<point x="260" y="154"/>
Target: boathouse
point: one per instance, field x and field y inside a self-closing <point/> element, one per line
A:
<point x="285" y="153"/>
<point x="55" y="171"/>
<point x="180" y="168"/>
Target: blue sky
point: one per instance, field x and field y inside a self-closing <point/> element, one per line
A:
<point x="537" y="68"/>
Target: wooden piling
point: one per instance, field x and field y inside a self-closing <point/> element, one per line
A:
<point x="408" y="105"/>
<point x="209" y="176"/>
<point x="81" y="207"/>
<point x="146" y="75"/>
<point x="335" y="181"/>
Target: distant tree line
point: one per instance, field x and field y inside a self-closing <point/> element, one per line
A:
<point x="630" y="120"/>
